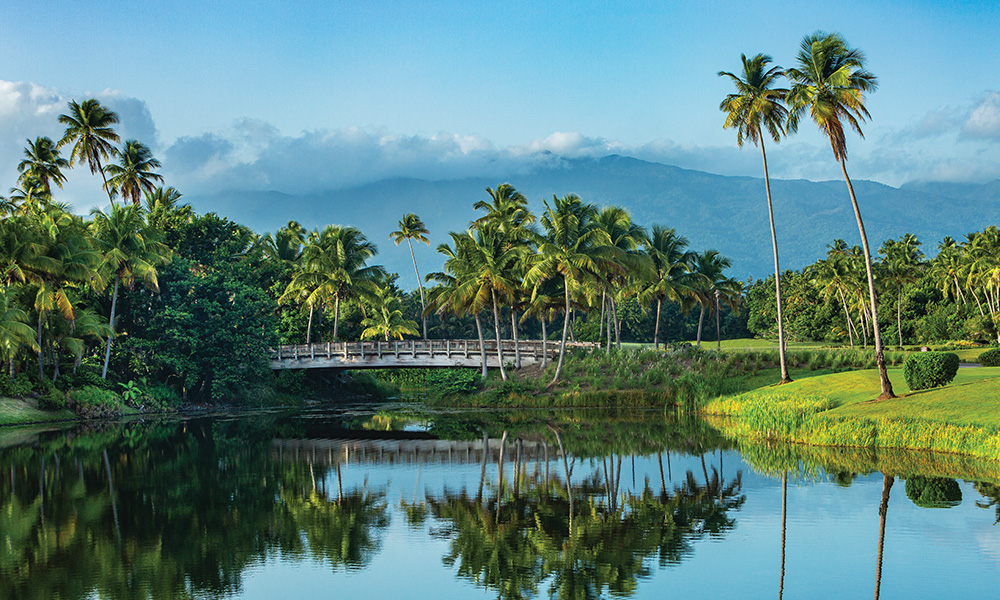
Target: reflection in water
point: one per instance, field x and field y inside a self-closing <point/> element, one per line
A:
<point x="883" y="508"/>
<point x="188" y="509"/>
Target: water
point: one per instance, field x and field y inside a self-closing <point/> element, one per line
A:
<point x="396" y="504"/>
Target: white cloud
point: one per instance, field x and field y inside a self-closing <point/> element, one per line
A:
<point x="984" y="120"/>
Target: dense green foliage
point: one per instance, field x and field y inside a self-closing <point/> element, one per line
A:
<point x="930" y="369"/>
<point x="933" y="492"/>
<point x="990" y="358"/>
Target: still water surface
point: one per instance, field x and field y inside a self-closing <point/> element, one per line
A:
<point x="392" y="504"/>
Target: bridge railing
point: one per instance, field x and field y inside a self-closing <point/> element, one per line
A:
<point x="418" y="348"/>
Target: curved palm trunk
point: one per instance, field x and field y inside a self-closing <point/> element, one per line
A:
<point x="482" y="344"/>
<point x="562" y="346"/>
<point x="496" y="327"/>
<point x="701" y="319"/>
<point x="777" y="272"/>
<point x="618" y="328"/>
<point x="420" y="286"/>
<point x="97" y="159"/>
<point x="111" y="324"/>
<point x="600" y="323"/>
<point x="883" y="375"/>
<point x="883" y="508"/>
<point x="656" y="329"/>
<point x="41" y="348"/>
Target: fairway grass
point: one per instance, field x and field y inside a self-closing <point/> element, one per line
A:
<point x="839" y="410"/>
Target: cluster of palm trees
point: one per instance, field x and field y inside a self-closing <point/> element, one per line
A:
<point x="54" y="263"/>
<point x="573" y="258"/>
<point x="330" y="267"/>
<point x="828" y="82"/>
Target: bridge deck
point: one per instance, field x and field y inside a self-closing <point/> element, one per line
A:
<point x="411" y="353"/>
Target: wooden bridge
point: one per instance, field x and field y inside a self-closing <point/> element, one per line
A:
<point x="413" y="354"/>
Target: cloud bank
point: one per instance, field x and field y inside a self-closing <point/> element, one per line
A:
<point x="954" y="144"/>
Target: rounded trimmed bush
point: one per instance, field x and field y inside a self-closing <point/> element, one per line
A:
<point x="990" y="358"/>
<point x="930" y="369"/>
<point x="933" y="492"/>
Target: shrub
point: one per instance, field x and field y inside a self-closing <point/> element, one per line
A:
<point x="18" y="387"/>
<point x="933" y="492"/>
<point x="54" y="399"/>
<point x="448" y="382"/>
<point x="930" y="369"/>
<point x="990" y="358"/>
<point x="161" y="396"/>
<point x="94" y="402"/>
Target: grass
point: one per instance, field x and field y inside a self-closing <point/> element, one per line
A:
<point x="15" y="411"/>
<point x="837" y="410"/>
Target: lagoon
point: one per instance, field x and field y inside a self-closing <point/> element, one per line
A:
<point x="389" y="502"/>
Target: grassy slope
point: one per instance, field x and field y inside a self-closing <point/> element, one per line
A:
<point x="836" y="409"/>
<point x="15" y="411"/>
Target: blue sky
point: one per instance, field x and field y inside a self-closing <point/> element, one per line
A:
<point x="448" y="88"/>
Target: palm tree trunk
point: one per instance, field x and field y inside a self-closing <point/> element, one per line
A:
<point x="618" y="328"/>
<point x="777" y="272"/>
<point x="111" y="324"/>
<point x="883" y="375"/>
<point x="656" y="329"/>
<point x="517" y="347"/>
<point x="899" y="314"/>
<point x="600" y="323"/>
<point x="309" y="327"/>
<point x="562" y="346"/>
<point x="482" y="344"/>
<point x="420" y="286"/>
<point x="336" y="317"/>
<point x="883" y="508"/>
<point x="847" y="314"/>
<point x="608" y="347"/>
<point x="97" y="159"/>
<point x="41" y="348"/>
<point x="496" y="326"/>
<point x="718" y="318"/>
<point x="701" y="319"/>
<point x="545" y="342"/>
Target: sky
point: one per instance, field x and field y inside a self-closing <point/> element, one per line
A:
<point x="303" y="96"/>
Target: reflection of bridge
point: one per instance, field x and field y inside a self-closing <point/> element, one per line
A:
<point x="339" y="451"/>
<point x="411" y="353"/>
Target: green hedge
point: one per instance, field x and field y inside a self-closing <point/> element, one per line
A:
<point x="930" y="369"/>
<point x="990" y="358"/>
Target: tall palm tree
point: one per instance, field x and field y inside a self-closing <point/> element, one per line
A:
<point x="671" y="279"/>
<point x="42" y="163"/>
<point x="830" y="82"/>
<point x="758" y="105"/>
<point x="573" y="248"/>
<point x="88" y="128"/>
<point x="630" y="262"/>
<point x="15" y="333"/>
<point x="132" y="251"/>
<point x="901" y="264"/>
<point x="133" y="175"/>
<point x="412" y="228"/>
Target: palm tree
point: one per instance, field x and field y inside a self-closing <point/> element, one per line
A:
<point x="15" y="333"/>
<point x="573" y="248"/>
<point x="491" y="279"/>
<point x="133" y="175"/>
<point x="757" y="104"/>
<point x="830" y="82"/>
<point x="286" y="244"/>
<point x="88" y="128"/>
<point x="711" y="286"/>
<point x="387" y="320"/>
<point x="43" y="164"/>
<point x="132" y="250"/>
<point x="671" y="278"/>
<point x="630" y="260"/>
<point x="412" y="228"/>
<point x="901" y="265"/>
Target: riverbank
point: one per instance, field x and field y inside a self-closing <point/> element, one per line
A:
<point x="837" y="410"/>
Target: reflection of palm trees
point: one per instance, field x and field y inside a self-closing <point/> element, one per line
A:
<point x="784" y="521"/>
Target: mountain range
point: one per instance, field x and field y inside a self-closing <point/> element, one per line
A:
<point x="712" y="211"/>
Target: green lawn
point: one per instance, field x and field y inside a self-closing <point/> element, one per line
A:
<point x="839" y="410"/>
<point x="14" y="411"/>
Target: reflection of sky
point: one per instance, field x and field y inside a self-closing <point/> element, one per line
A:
<point x="832" y="539"/>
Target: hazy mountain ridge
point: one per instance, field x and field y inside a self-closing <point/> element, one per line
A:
<point x="713" y="211"/>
